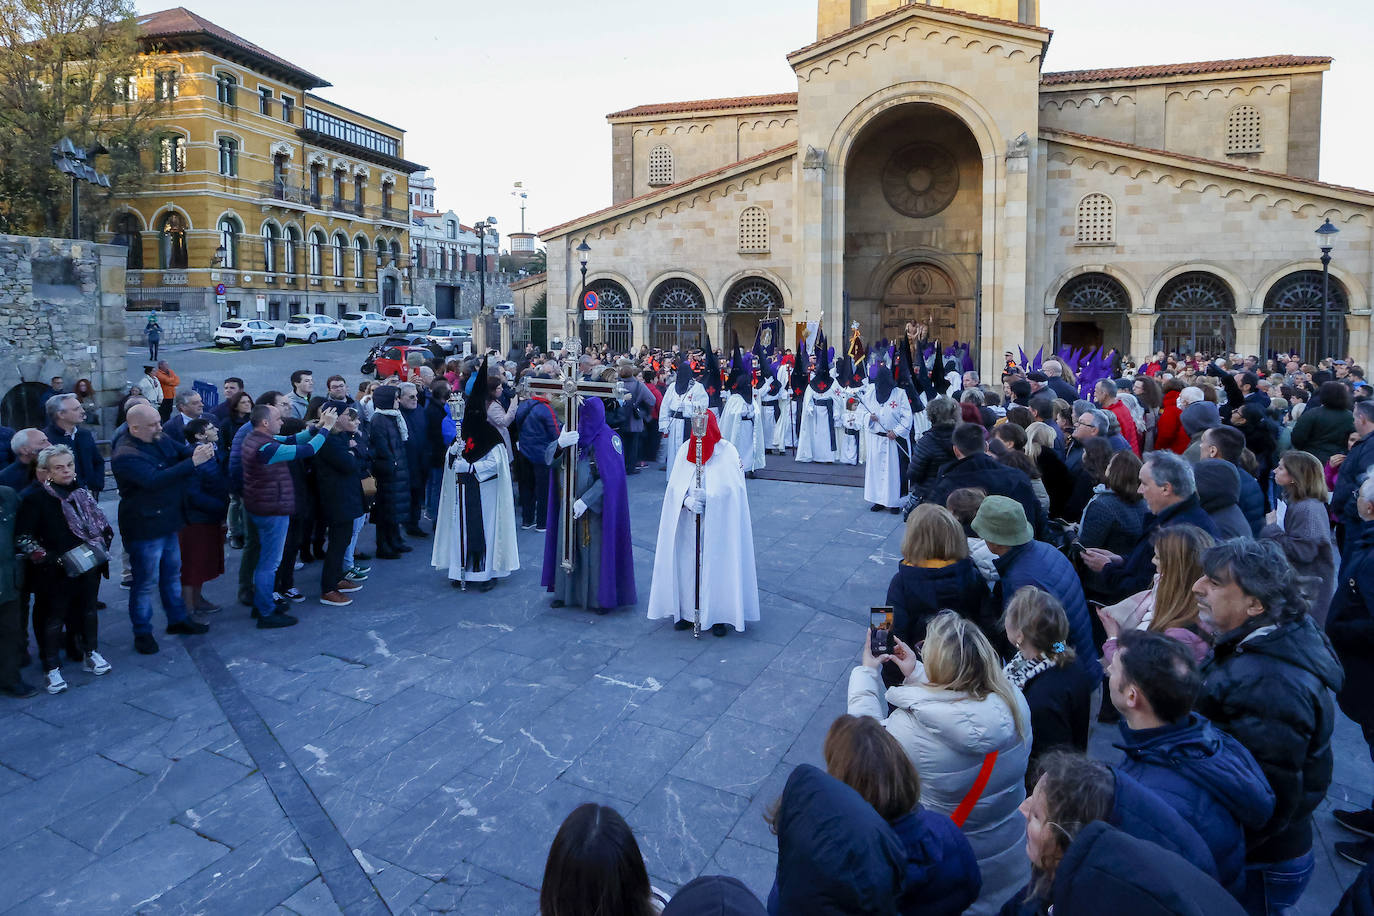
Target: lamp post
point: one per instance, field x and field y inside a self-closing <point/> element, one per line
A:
<point x="584" y="251"/>
<point x="73" y="162"/>
<point x="481" y="230"/>
<point x="1326" y="235"/>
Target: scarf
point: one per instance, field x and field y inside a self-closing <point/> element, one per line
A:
<point x="395" y="414"/>
<point x="84" y="518"/>
<point x="1020" y="670"/>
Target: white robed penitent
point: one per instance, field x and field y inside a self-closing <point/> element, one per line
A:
<point x="740" y="424"/>
<point x="498" y="519"/>
<point x="818" y="439"/>
<point x="882" y="470"/>
<point x="729" y="581"/>
<point x="784" y="427"/>
<point x="675" y="430"/>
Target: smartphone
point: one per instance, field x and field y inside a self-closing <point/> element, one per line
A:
<point x="880" y="630"/>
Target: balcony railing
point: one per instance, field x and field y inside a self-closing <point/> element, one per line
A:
<point x="301" y="194"/>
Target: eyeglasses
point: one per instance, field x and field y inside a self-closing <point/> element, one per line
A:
<point x="1087" y="425"/>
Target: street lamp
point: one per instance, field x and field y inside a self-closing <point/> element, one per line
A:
<point x="73" y="162"/>
<point x="220" y="254"/>
<point x="481" y="230"/>
<point x="584" y="251"/>
<point x="1326" y="235"/>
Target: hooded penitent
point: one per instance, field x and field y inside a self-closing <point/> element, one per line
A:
<point x="820" y="379"/>
<point x="744" y="377"/>
<point x="616" y="580"/>
<point x="685" y="376"/>
<point x="708" y="441"/>
<point x="479" y="436"/>
<point x="710" y="377"/>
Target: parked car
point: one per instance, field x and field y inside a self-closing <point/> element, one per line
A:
<point x="364" y="324"/>
<point x="409" y="317"/>
<point x="503" y="308"/>
<point x="247" y="333"/>
<point x="418" y="341"/>
<point x="313" y="328"/>
<point x="393" y="361"/>
<point x="450" y="338"/>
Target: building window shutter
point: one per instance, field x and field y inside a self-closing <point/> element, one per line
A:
<point x="660" y="166"/>
<point x="1095" y="220"/>
<point x="1243" y="134"/>
<point x="753" y="229"/>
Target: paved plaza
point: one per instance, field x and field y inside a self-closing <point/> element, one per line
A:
<point x="416" y="752"/>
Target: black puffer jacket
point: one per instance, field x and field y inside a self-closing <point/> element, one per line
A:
<point x="1271" y="689"/>
<point x="932" y="452"/>
<point x="391" y="468"/>
<point x="1350" y="625"/>
<point x="339" y="472"/>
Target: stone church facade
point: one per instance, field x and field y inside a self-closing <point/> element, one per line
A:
<point x="928" y="168"/>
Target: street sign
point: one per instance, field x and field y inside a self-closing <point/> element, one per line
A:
<point x="220" y="299"/>
<point x="591" y="301"/>
<point x="262" y="303"/>
<point x="589" y="314"/>
<point x="219" y="289"/>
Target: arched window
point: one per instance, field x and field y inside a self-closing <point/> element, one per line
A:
<point x="1195" y="315"/>
<point x="126" y="232"/>
<point x="228" y="156"/>
<point x="229" y="230"/>
<point x="269" y="248"/>
<point x="293" y="242"/>
<point x="748" y="301"/>
<point x="317" y="244"/>
<point x="226" y="89"/>
<point x="359" y="256"/>
<point x="753" y="229"/>
<point x="677" y="315"/>
<point x="1243" y="131"/>
<point x="396" y="252"/>
<point x="172" y="242"/>
<point x="1293" y="316"/>
<point x="660" y="166"/>
<point x="171" y="153"/>
<point x="381" y="252"/>
<point x="1096" y="220"/>
<point x="1094" y="311"/>
<point x="612" y="326"/>
<point x="340" y="246"/>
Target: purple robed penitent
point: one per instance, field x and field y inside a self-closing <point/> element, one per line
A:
<point x="616" y="585"/>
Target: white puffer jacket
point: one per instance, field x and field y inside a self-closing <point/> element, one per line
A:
<point x="947" y="735"/>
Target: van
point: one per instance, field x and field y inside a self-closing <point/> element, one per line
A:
<point x="504" y="308"/>
<point x="409" y="317"/>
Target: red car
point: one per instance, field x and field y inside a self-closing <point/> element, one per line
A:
<point x="393" y="361"/>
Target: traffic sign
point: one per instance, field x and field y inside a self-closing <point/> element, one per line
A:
<point x="219" y="289"/>
<point x="591" y="300"/>
<point x="590" y="314"/>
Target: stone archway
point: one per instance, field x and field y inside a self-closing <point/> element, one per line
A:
<point x="924" y="293"/>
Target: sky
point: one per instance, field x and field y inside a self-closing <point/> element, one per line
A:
<point x="491" y="93"/>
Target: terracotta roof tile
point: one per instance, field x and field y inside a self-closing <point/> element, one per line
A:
<point x="1188" y="69"/>
<point x="1052" y="133"/>
<point x="666" y="190"/>
<point x="906" y="8"/>
<point x="180" y="21"/>
<point x="745" y="101"/>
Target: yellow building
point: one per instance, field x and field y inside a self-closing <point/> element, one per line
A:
<point x="290" y="202"/>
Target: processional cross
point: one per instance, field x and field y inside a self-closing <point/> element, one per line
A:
<point x="574" y="390"/>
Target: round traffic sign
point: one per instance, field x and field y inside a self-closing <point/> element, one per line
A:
<point x="591" y="300"/>
<point x="219" y="289"/>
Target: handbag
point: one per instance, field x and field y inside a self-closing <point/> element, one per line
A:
<point x="83" y="558"/>
<point x="369" y="489"/>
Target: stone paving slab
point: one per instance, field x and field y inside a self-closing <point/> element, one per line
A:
<point x="440" y="737"/>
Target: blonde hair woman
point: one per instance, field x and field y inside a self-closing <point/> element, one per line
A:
<point x="967" y="729"/>
<point x="1168" y="606"/>
<point x="1305" y="533"/>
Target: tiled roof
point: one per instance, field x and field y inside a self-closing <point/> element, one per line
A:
<point x="1198" y="67"/>
<point x="745" y="101"/>
<point x="666" y="190"/>
<point x="906" y="8"/>
<point x="179" y="21"/>
<point x="1052" y="133"/>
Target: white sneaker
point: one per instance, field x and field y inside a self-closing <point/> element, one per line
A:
<point x="55" y="682"/>
<point x="299" y="565"/>
<point x="96" y="664"/>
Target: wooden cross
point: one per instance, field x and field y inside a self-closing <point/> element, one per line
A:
<point x="574" y="389"/>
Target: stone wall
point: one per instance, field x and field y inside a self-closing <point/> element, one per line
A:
<point x="192" y="321"/>
<point x="61" y="313"/>
<point x="467" y="295"/>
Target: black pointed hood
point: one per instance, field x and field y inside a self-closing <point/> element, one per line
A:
<point x="685" y="375"/>
<point x="821" y="381"/>
<point x="742" y="376"/>
<point x="710" y="376"/>
<point x="844" y="369"/>
<point x="479" y="436"/>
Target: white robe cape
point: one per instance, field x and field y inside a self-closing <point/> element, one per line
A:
<point x="765" y="413"/>
<point x="741" y="425"/>
<point x="813" y="442"/>
<point x="498" y="521"/>
<point x="729" y="581"/>
<point x="784" y="429"/>
<point x="671" y="430"/>
<point x="882" y="473"/>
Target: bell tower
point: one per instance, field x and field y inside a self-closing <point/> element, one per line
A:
<point x="837" y="15"/>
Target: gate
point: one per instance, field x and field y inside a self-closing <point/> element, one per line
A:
<point x="614" y="330"/>
<point x="686" y="329"/>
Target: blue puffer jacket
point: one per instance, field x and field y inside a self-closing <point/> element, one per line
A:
<point x="1135" y="572"/>
<point x="538" y="427"/>
<point x="1251" y="501"/>
<point x="1037" y="563"/>
<point x="836" y="855"/>
<point x="1144" y="815"/>
<point x="942" y="877"/>
<point x="1210" y="779"/>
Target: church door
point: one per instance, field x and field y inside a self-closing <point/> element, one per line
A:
<point x="923" y="293"/>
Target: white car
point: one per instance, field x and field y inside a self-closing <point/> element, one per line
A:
<point x="503" y="308"/>
<point x="247" y="333"/>
<point x="364" y="324"/>
<point x="450" y="338"/>
<point x="313" y="328"/>
<point x="409" y="317"/>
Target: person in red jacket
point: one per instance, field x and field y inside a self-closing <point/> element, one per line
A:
<point x="1105" y="396"/>
<point x="1169" y="434"/>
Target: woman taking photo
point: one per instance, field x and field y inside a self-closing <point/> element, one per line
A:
<point x="967" y="729"/>
<point x="201" y="539"/>
<point x="1305" y="534"/>
<point x="65" y="538"/>
<point x="1168" y="606"/>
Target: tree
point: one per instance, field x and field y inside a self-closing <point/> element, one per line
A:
<point x="539" y="322"/>
<point x="69" y="68"/>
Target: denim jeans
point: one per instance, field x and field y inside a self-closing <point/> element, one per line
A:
<point x="353" y="543"/>
<point x="156" y="564"/>
<point x="1274" y="889"/>
<point x="534" y="500"/>
<point x="271" y="539"/>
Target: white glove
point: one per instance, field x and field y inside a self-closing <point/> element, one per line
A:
<point x="695" y="501"/>
<point x="570" y="437"/>
<point x="579" y="507"/>
<point x="461" y="466"/>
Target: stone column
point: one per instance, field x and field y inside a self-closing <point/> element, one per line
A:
<point x="506" y="334"/>
<point x="1142" y="335"/>
<point x="479" y="332"/>
<point x="639" y="328"/>
<point x="1004" y="296"/>
<point x="816" y="251"/>
<point x="1248" y="325"/>
<point x="110" y="360"/>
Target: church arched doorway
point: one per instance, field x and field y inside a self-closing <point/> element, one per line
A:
<point x="925" y="294"/>
<point x="1094" y="311"/>
<point x="1195" y="315"/>
<point x="913" y="224"/>
<point x="748" y="302"/>
<point x="612" y="326"/>
<point x="1293" y="317"/>
<point x="677" y="315"/>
